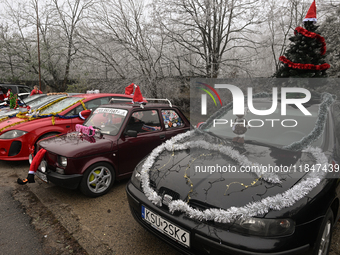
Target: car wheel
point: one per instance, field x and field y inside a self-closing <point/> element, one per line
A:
<point x="325" y="234"/>
<point x="97" y="180"/>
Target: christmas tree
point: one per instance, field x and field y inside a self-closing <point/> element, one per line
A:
<point x="305" y="57"/>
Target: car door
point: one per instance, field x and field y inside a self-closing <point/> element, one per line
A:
<point x="150" y="134"/>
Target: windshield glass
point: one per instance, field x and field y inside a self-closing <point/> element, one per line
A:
<point x="41" y="101"/>
<point x="60" y="105"/>
<point x="109" y="120"/>
<point x="32" y="98"/>
<point x="276" y="129"/>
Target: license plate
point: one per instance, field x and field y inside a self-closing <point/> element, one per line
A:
<point x="166" y="227"/>
<point x="41" y="176"/>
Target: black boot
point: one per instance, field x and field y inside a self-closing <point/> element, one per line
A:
<point x="29" y="179"/>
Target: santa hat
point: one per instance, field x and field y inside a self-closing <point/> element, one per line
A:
<point x="84" y="114"/>
<point x="311" y="14"/>
<point x="137" y="97"/>
<point x="129" y="89"/>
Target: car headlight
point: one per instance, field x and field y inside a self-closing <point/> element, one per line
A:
<point x="30" y="158"/>
<point x="12" y="134"/>
<point x="43" y="166"/>
<point x="262" y="227"/>
<point x="136" y="176"/>
<point x="63" y="161"/>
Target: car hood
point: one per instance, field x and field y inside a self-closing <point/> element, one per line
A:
<point x="73" y="145"/>
<point x="185" y="175"/>
<point x="10" y="122"/>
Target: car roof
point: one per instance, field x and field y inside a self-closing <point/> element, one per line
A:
<point x="97" y="95"/>
<point x="137" y="105"/>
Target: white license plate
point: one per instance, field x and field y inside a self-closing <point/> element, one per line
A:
<point x="166" y="227"/>
<point x="41" y="176"/>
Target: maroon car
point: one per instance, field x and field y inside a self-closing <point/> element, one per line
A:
<point x="108" y="146"/>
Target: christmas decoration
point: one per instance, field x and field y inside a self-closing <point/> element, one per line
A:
<point x="276" y="202"/>
<point x="137" y="95"/>
<point x="305" y="56"/>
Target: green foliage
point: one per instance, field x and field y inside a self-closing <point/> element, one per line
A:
<point x="330" y="29"/>
<point x="303" y="50"/>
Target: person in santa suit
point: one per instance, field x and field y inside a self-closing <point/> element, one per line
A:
<point x="2" y="93"/>
<point x="35" y="91"/>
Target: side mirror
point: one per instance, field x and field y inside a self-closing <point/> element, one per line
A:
<point x="131" y="133"/>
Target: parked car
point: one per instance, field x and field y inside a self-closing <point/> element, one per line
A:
<point x="127" y="133"/>
<point x="276" y="192"/>
<point x="21" y="97"/>
<point x="23" y="90"/>
<point x="37" y="102"/>
<point x="19" y="134"/>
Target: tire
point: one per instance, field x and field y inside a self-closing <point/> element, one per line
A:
<point x="97" y="180"/>
<point x="324" y="238"/>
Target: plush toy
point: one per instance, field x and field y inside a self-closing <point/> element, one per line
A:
<point x="240" y="127"/>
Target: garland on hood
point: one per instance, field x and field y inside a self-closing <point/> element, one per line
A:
<point x="22" y="115"/>
<point x="277" y="202"/>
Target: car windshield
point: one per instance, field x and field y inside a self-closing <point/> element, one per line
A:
<point x="109" y="120"/>
<point x="41" y="101"/>
<point x="60" y="105"/>
<point x="275" y="129"/>
<point x="31" y="98"/>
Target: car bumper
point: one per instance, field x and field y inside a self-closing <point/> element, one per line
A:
<point x="206" y="239"/>
<point x="13" y="149"/>
<point x="66" y="181"/>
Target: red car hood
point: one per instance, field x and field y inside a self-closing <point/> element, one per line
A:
<point x="9" y="122"/>
<point x="72" y="145"/>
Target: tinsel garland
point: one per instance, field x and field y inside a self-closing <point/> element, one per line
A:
<point x="277" y="202"/>
<point x="4" y="118"/>
<point x="304" y="66"/>
<point x="318" y="129"/>
<point x="22" y="115"/>
<point x="310" y="34"/>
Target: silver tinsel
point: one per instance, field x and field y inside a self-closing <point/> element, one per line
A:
<point x="277" y="202"/>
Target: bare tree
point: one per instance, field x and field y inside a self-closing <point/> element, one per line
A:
<point x="209" y="29"/>
<point x="70" y="14"/>
<point x="122" y="24"/>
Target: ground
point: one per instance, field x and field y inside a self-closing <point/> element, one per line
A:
<point x="57" y="240"/>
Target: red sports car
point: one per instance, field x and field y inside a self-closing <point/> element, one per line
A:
<point x="18" y="135"/>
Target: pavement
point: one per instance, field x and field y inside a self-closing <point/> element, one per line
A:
<point x="17" y="235"/>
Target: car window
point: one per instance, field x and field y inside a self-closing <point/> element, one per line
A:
<point x="171" y="119"/>
<point x="109" y="120"/>
<point x="24" y="90"/>
<point x="144" y="121"/>
<point x="92" y="104"/>
<point x="60" y="105"/>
